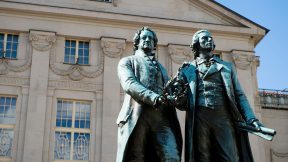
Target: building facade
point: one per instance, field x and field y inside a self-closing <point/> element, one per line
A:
<point x="59" y="91"/>
<point x="274" y="104"/>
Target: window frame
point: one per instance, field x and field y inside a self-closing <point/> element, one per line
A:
<point x="72" y="130"/>
<point x="5" y="45"/>
<point x="77" y="51"/>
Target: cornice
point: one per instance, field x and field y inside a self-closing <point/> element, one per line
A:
<point x="105" y="17"/>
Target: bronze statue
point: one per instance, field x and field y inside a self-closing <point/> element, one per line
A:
<point x="217" y="109"/>
<point x="148" y="128"/>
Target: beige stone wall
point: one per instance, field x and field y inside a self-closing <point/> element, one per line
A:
<point x="38" y="77"/>
<point x="275" y="115"/>
<point x="277" y="150"/>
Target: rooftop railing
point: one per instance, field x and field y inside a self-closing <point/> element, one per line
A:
<point x="274" y="99"/>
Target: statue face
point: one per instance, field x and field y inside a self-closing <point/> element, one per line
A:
<point x="146" y="42"/>
<point x="206" y="41"/>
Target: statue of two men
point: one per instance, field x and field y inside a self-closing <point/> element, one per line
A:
<point x="148" y="128"/>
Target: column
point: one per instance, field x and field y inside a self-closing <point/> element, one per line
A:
<point x="34" y="133"/>
<point x="112" y="49"/>
<point x="246" y="62"/>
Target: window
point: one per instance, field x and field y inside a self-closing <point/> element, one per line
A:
<point x="7" y="124"/>
<point x="8" y="45"/>
<point x="72" y="135"/>
<point x="76" y="52"/>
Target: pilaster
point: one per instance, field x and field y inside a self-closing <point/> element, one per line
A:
<point x="48" y="124"/>
<point x="180" y="54"/>
<point x="33" y="146"/>
<point x="245" y="62"/>
<point x="22" y="125"/>
<point x="112" y="49"/>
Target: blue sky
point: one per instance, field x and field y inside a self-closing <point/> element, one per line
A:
<point x="273" y="15"/>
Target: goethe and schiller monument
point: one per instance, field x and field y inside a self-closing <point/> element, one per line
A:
<point x="58" y="74"/>
<point x="218" y="114"/>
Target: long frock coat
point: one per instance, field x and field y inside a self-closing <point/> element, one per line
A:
<point x="134" y="74"/>
<point x="237" y="103"/>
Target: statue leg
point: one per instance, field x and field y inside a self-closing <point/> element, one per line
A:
<point x="225" y="140"/>
<point x="164" y="139"/>
<point x="202" y="137"/>
<point x="137" y="142"/>
<point x="165" y="145"/>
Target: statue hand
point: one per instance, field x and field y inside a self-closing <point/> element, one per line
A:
<point x="164" y="100"/>
<point x="257" y="124"/>
<point x="181" y="98"/>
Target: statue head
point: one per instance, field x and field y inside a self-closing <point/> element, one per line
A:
<point x="145" y="39"/>
<point x="202" y="40"/>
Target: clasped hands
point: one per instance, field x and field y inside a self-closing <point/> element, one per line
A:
<point x="174" y="93"/>
<point x="176" y="99"/>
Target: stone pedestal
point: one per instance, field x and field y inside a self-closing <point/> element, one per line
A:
<point x="112" y="49"/>
<point x="35" y="123"/>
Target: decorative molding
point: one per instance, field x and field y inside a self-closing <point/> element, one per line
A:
<point x="180" y="53"/>
<point x="273" y="153"/>
<point x="76" y="72"/>
<point x="113" y="47"/>
<point x="75" y="85"/>
<point x="243" y="59"/>
<point x="6" y="140"/>
<point x="42" y="41"/>
<point x="14" y="81"/>
<point x="7" y="65"/>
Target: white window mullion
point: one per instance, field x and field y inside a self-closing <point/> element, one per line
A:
<point x="73" y="114"/>
<point x="4" y="44"/>
<point x="76" y="52"/>
<point x="73" y="126"/>
<point x="72" y="146"/>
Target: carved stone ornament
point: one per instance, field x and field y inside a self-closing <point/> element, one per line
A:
<point x="76" y="72"/>
<point x="42" y="41"/>
<point x="17" y="65"/>
<point x="243" y="59"/>
<point x="83" y="86"/>
<point x="113" y="47"/>
<point x="180" y="53"/>
<point x="14" y="81"/>
<point x="275" y="154"/>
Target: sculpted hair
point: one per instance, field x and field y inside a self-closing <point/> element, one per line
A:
<point x="136" y="38"/>
<point x="195" y="42"/>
